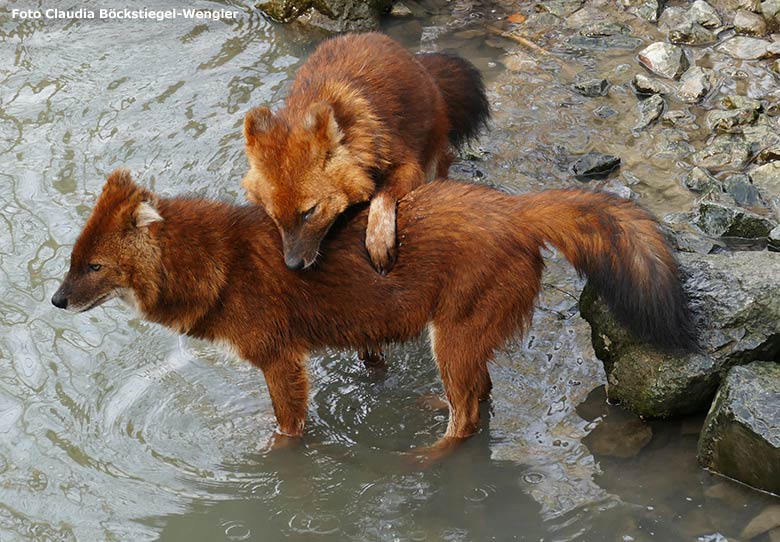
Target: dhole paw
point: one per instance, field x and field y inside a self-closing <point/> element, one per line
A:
<point x="380" y="233"/>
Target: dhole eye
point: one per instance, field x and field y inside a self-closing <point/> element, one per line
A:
<point x="95" y="267"/>
<point x="308" y="214"/>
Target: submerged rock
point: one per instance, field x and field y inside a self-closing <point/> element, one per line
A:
<point x="591" y="86"/>
<point x="700" y="180"/>
<point x="741" y="435"/>
<point x="730" y="121"/>
<point x="736" y="300"/>
<point x="594" y="165"/>
<point x="620" y="434"/>
<point x="645" y="85"/>
<point x="695" y="84"/>
<point x="649" y="111"/>
<point x="664" y="59"/>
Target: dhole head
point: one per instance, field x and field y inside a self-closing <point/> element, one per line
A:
<point x="114" y="243"/>
<point x="301" y="171"/>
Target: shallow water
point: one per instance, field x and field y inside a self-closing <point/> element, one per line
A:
<point x="115" y="429"/>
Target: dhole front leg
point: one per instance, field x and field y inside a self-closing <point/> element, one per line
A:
<point x="288" y="385"/>
<point x="380" y="232"/>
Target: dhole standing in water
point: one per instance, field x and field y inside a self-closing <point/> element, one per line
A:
<point x="364" y="120"/>
<point x="469" y="271"/>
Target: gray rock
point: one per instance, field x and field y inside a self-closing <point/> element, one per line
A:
<point x="774" y="238"/>
<point x="724" y="151"/>
<point x="735" y="101"/>
<point x="605" y="42"/>
<point x="601" y="29"/>
<point x="761" y="135"/>
<point x="649" y="10"/>
<point x="695" y="84"/>
<point x="705" y="14"/>
<point x="664" y="59"/>
<point x="560" y="8"/>
<point x="771" y="11"/>
<point x="700" y="180"/>
<point x="769" y="153"/>
<point x="720" y="220"/>
<point x="692" y="34"/>
<point x="400" y="9"/>
<point x="767" y="177"/>
<point x="730" y="121"/>
<point x="684" y="241"/>
<point x="594" y="165"/>
<point x="679" y="117"/>
<point x="742" y="190"/>
<point x="619" y="434"/>
<point x="644" y="85"/>
<point x="745" y="48"/>
<point x="604" y="112"/>
<point x="672" y="17"/>
<point x="736" y="300"/>
<point x="649" y="111"/>
<point x="334" y="15"/>
<point x="775" y="66"/>
<point x="741" y="435"/>
<point x="591" y="86"/>
<point x="749" y="23"/>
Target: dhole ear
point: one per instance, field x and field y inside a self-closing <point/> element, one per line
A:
<point x="322" y="121"/>
<point x="145" y="214"/>
<point x="257" y="122"/>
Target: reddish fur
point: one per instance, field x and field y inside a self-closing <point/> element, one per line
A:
<point x="469" y="264"/>
<point x="363" y="117"/>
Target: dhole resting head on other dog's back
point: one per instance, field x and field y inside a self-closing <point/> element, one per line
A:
<point x="469" y="271"/>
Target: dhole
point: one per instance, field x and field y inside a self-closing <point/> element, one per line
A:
<point x="468" y="271"/>
<point x="364" y="120"/>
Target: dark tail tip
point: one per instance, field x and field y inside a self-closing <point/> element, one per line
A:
<point x="461" y="85"/>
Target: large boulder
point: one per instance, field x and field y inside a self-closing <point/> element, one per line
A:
<point x="736" y="301"/>
<point x="334" y="15"/>
<point x="741" y="435"/>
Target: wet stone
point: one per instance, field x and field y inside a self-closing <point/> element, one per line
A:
<point x="771" y="11"/>
<point x="735" y="101"/>
<point x="594" y="165"/>
<point x="742" y="190"/>
<point x="730" y="121"/>
<point x="767" y="520"/>
<point x="768" y="154"/>
<point x="774" y="238"/>
<point x="664" y="59"/>
<point x="746" y="48"/>
<point x="649" y="10"/>
<point x="700" y="180"/>
<point x="684" y="241"/>
<point x="692" y="34"/>
<point x="736" y="305"/>
<point x="749" y="23"/>
<point x="767" y="177"/>
<point x="679" y="117"/>
<point x="601" y="29"/>
<point x="605" y="42"/>
<point x="724" y="151"/>
<point x="695" y="84"/>
<point x="649" y="111"/>
<point x="620" y="434"/>
<point x="604" y="112"/>
<point x="704" y="14"/>
<point x="400" y="9"/>
<point x="741" y="435"/>
<point x="560" y="8"/>
<point x="591" y="86"/>
<point x="644" y="85"/>
<point x="722" y="220"/>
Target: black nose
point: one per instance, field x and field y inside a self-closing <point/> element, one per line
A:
<point x="59" y="301"/>
<point x="294" y="263"/>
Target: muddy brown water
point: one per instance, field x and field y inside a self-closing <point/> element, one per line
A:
<point x="115" y="429"/>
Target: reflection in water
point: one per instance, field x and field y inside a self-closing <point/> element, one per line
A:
<point x="114" y="429"/>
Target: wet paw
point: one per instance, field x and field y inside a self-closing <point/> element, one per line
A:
<point x="380" y="233"/>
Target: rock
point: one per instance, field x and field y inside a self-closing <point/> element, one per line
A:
<point x="400" y="9"/>
<point x="591" y="86"/>
<point x="742" y="190"/>
<point x="606" y="42"/>
<point x="649" y="10"/>
<point x="735" y="101"/>
<point x="613" y="186"/>
<point x="560" y="8"/>
<point x="695" y="84"/>
<point x="604" y="112"/>
<point x="774" y="238"/>
<point x="334" y="15"/>
<point x="520" y="62"/>
<point x="730" y="121"/>
<point x="620" y="434"/>
<point x="741" y="435"/>
<point x="664" y="59"/>
<point x="692" y="34"/>
<point x="684" y="241"/>
<point x="767" y="520"/>
<point x="768" y="154"/>
<point x="745" y="48"/>
<point x="762" y="135"/>
<point x="594" y="165"/>
<point x="679" y="117"/>
<point x="727" y="150"/>
<point x="649" y="111"/>
<point x="775" y="66"/>
<point x="749" y="23"/>
<point x="736" y="301"/>
<point x="705" y="14"/>
<point x="699" y="180"/>
<point x="720" y="220"/>
<point x="767" y="178"/>
<point x="601" y="29"/>
<point x="771" y="11"/>
<point x="645" y="85"/>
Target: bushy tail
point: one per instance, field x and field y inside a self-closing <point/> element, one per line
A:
<point x="464" y="93"/>
<point x="621" y="250"/>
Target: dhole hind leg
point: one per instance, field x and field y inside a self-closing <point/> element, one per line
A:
<point x="373" y="358"/>
<point x="380" y="231"/>
<point x="288" y="385"/>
